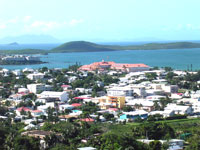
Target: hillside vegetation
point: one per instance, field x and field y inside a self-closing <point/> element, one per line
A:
<point x="83" y="46"/>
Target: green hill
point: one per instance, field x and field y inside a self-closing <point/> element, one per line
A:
<point x="82" y="46"/>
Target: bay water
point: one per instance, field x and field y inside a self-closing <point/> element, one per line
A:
<point x="175" y="58"/>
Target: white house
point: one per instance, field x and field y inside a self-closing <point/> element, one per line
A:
<point x="165" y="113"/>
<point x="61" y="96"/>
<point x="65" y="106"/>
<point x="17" y="72"/>
<point x="174" y="144"/>
<point x="170" y="88"/>
<point x="36" y="113"/>
<point x="196" y="107"/>
<point x="35" y="76"/>
<point x="23" y="90"/>
<point x="35" y="88"/>
<point x="179" y="109"/>
<point x="141" y="104"/>
<point x="120" y="91"/>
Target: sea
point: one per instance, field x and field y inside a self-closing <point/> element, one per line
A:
<point x="181" y="59"/>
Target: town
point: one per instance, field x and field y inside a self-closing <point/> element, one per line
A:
<point x="104" y="105"/>
<point x="19" y="60"/>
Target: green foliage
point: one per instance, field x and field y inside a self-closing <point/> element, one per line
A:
<point x="62" y="147"/>
<point x="83" y="46"/>
<point x="24" y="143"/>
<point x="112" y="141"/>
<point x="3" y="110"/>
<point x="168" y="69"/>
<point x="164" y="101"/>
<point x="155" y="145"/>
<point x="25" y="104"/>
<point x="127" y="109"/>
<point x="89" y="107"/>
<point x="3" y="134"/>
<point x="157" y="131"/>
<point x="155" y="117"/>
<point x="108" y="116"/>
<point x="151" y="76"/>
<point x="194" y="143"/>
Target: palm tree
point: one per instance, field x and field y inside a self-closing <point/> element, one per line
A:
<point x="9" y="142"/>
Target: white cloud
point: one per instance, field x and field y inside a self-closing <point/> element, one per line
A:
<point x="44" y="25"/>
<point x="189" y="26"/>
<point x="2" y="26"/>
<point x="14" y="20"/>
<point x="74" y="22"/>
<point x="27" y="18"/>
<point x="179" y="27"/>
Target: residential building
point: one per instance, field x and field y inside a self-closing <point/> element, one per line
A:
<point x="35" y="88"/>
<point x="54" y="96"/>
<point x="120" y="91"/>
<point x="104" y="65"/>
<point x="106" y="102"/>
<point x="35" y="76"/>
<point x="179" y="109"/>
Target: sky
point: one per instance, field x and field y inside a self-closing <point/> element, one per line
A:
<point x="102" y="20"/>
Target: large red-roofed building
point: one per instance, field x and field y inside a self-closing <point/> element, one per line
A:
<point x="115" y="66"/>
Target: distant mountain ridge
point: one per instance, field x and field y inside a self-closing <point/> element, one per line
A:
<point x="14" y="43"/>
<point x="29" y="39"/>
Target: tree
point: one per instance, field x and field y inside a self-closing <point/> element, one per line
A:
<point x="155" y="117"/>
<point x="151" y="76"/>
<point x="3" y="133"/>
<point x="157" y="131"/>
<point x="108" y="116"/>
<point x="52" y="140"/>
<point x="194" y="143"/>
<point x="127" y="109"/>
<point x="113" y="141"/>
<point x="62" y="147"/>
<point x="110" y="141"/>
<point x="30" y="96"/>
<point x="24" y="143"/>
<point x="168" y="69"/>
<point x="156" y="106"/>
<point x="3" y="110"/>
<point x="155" y="145"/>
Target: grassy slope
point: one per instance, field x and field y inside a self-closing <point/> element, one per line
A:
<point x="178" y="124"/>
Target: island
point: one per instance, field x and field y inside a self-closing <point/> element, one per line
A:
<point x="84" y="46"/>
<point x="19" y="60"/>
<point x="14" y="44"/>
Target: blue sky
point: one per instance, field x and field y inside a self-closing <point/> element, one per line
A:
<point x="102" y="20"/>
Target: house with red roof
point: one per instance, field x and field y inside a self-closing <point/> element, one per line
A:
<point x="76" y="104"/>
<point x="87" y="120"/>
<point x="104" y="65"/>
<point x="36" y="113"/>
<point x="25" y="109"/>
